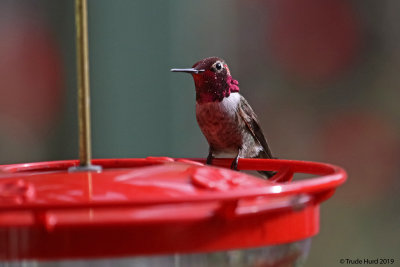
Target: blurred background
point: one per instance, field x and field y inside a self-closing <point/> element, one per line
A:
<point x="323" y="77"/>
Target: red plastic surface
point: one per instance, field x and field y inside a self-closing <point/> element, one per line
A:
<point x="156" y="206"/>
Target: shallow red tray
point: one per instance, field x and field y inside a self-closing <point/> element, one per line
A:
<point x="157" y="206"/>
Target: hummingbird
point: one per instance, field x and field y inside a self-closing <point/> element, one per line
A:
<point x="224" y="116"/>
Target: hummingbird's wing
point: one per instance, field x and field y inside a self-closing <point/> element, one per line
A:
<point x="251" y="121"/>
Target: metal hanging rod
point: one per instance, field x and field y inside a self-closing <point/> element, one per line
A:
<point x="82" y="48"/>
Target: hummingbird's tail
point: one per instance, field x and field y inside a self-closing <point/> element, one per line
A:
<point x="266" y="174"/>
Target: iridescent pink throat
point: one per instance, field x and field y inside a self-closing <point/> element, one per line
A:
<point x="213" y="90"/>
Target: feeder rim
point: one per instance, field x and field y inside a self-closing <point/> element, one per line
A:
<point x="331" y="176"/>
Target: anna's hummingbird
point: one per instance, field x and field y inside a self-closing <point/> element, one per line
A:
<point x="224" y="116"/>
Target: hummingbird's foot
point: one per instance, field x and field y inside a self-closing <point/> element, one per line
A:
<point x="209" y="157"/>
<point x="235" y="163"/>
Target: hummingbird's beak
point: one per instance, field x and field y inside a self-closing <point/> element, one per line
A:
<point x="191" y="70"/>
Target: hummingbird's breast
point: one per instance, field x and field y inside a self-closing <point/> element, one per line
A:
<point x="220" y="124"/>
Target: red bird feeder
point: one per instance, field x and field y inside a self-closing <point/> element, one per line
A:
<point x="162" y="206"/>
<point x="158" y="211"/>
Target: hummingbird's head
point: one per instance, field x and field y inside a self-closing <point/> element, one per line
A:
<point x="212" y="79"/>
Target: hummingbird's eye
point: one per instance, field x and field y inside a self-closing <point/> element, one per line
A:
<point x="218" y="66"/>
